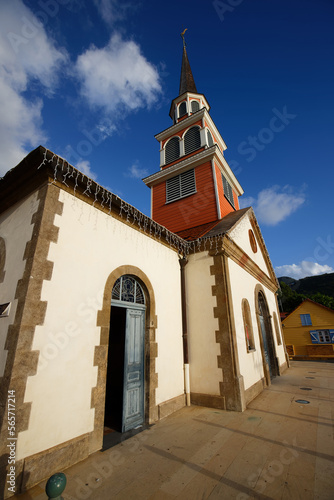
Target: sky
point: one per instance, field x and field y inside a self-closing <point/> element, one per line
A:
<point x="93" y="80"/>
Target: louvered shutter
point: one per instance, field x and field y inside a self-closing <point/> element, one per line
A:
<point x="172" y="150"/>
<point x="183" y="109"/>
<point x="180" y="186"/>
<point x="192" y="140"/>
<point x="194" y="106"/>
<point x="173" y="189"/>
<point x="306" y="319"/>
<point x="210" y="140"/>
<point x="188" y="183"/>
<point x="228" y="192"/>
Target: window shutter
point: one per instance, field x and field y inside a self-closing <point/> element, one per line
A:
<point x="306" y="319"/>
<point x="180" y="186"/>
<point x="194" y="106"/>
<point x="183" y="109"/>
<point x="192" y="140"/>
<point x="188" y="183"/>
<point x="228" y="191"/>
<point x="173" y="189"/>
<point x="314" y="337"/>
<point x="210" y="140"/>
<point x="172" y="150"/>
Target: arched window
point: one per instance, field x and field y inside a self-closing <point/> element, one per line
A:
<point x="172" y="150"/>
<point x="278" y="336"/>
<point x="246" y="314"/>
<point x="210" y="140"/>
<point x="127" y="289"/>
<point x="192" y="140"/>
<point x="194" y="106"/>
<point x="182" y="109"/>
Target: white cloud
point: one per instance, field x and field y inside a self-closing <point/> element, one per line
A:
<point x="27" y="56"/>
<point x="112" y="10"/>
<point x="85" y="168"/>
<point x="117" y="77"/>
<point x="274" y="204"/>
<point x="135" y="172"/>
<point x="303" y="269"/>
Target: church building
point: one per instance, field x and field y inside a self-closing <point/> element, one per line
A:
<point x="112" y="320"/>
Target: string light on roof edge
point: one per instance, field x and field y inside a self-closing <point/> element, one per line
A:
<point x="141" y="220"/>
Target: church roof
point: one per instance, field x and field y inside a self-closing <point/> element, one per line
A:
<point x="215" y="228"/>
<point x="193" y="233"/>
<point x="227" y="222"/>
<point x="187" y="82"/>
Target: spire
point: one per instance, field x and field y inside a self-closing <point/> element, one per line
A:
<point x="187" y="82"/>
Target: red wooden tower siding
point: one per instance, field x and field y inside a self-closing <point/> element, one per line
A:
<point x="195" y="184"/>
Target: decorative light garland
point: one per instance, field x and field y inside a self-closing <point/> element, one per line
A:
<point x="63" y="170"/>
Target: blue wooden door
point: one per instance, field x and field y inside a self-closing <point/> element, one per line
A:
<point x="133" y="397"/>
<point x="265" y="344"/>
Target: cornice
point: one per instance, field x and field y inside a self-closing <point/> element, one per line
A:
<point x="176" y="127"/>
<point x="235" y="253"/>
<point x="215" y="130"/>
<point x="183" y="165"/>
<point x="190" y="95"/>
<point x="193" y="161"/>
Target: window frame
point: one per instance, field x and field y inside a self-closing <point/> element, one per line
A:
<point x="181" y="178"/>
<point x="209" y="138"/>
<point x="228" y="191"/>
<point x="5" y="309"/>
<point x="185" y="140"/>
<point x="186" y="109"/>
<point x="196" y="104"/>
<point x="277" y="329"/>
<point x="172" y="140"/>
<point x="306" y="319"/>
<point x="316" y="339"/>
<point x="119" y="291"/>
<point x="248" y="326"/>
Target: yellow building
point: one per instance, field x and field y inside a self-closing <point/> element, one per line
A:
<point x="309" y="330"/>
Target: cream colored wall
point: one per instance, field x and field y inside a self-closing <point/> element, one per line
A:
<point x="243" y="287"/>
<point x="203" y="349"/>
<point x="241" y="237"/>
<point x="90" y="246"/>
<point x="16" y="230"/>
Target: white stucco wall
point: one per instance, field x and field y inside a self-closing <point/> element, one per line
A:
<point x="16" y="230"/>
<point x="92" y="244"/>
<point x="241" y="237"/>
<point x="243" y="287"/>
<point x="203" y="349"/>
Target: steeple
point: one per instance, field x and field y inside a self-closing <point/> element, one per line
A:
<point x="195" y="186"/>
<point x="187" y="82"/>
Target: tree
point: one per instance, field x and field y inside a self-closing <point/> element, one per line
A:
<point x="289" y="299"/>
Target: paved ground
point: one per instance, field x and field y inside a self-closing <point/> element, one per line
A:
<point x="277" y="449"/>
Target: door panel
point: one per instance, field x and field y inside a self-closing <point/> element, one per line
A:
<point x="133" y="408"/>
<point x="265" y="344"/>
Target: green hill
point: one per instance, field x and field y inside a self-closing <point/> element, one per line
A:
<point x="324" y="283"/>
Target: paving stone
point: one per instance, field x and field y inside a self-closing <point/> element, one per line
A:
<point x="276" y="449"/>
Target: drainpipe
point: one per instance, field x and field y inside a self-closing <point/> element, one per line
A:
<point x="183" y="262"/>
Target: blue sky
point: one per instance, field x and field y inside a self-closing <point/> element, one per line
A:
<point x="93" y="82"/>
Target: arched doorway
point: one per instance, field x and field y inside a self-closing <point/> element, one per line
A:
<point x="125" y="380"/>
<point x="268" y="348"/>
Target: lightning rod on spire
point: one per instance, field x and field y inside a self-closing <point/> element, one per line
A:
<point x="182" y="35"/>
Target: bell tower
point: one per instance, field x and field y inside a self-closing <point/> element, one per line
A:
<point x="195" y="186"/>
